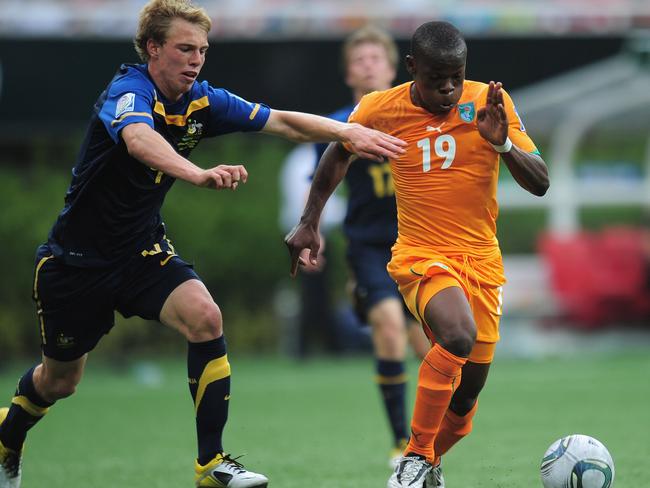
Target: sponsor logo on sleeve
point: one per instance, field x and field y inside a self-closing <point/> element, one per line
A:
<point x="125" y="104"/>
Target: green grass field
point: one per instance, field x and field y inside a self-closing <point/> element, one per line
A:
<point x="320" y="424"/>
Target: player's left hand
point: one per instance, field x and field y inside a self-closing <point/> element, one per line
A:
<point x="372" y="144"/>
<point x="492" y="120"/>
<point x="221" y="177"/>
<point x="301" y="237"/>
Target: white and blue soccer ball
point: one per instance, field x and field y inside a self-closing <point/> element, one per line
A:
<point x="577" y="461"/>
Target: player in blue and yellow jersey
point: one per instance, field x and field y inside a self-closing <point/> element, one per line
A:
<point x="108" y="249"/>
<point x="446" y="260"/>
<point x="370" y="226"/>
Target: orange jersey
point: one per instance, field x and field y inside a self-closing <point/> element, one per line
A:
<point x="446" y="182"/>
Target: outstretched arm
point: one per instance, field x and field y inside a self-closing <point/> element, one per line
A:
<point x="301" y="127"/>
<point x="150" y="148"/>
<point x="331" y="170"/>
<point x="528" y="170"/>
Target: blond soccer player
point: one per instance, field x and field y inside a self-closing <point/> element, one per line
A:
<point x="109" y="250"/>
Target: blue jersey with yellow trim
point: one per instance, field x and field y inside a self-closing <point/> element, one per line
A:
<point x="371" y="215"/>
<point x="112" y="207"/>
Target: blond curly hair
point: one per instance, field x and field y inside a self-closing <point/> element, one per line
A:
<point x="156" y="18"/>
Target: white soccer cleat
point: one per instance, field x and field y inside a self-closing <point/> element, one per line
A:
<point x="225" y="472"/>
<point x="10" y="462"/>
<point x="435" y="479"/>
<point x="411" y="472"/>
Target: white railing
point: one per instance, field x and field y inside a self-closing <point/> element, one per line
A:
<point x="579" y="102"/>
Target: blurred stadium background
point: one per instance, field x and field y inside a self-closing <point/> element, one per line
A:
<point x="578" y="260"/>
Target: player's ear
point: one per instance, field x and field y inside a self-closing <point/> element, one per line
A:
<point x="152" y="48"/>
<point x="410" y="65"/>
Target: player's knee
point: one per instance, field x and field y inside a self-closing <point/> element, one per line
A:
<point x="390" y="332"/>
<point x="459" y="338"/>
<point x="59" y="388"/>
<point x="206" y="323"/>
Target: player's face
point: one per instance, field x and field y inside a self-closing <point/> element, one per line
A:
<point x="176" y="64"/>
<point x="368" y="68"/>
<point x="438" y="83"/>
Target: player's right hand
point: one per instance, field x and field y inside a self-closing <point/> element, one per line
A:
<point x="223" y="176"/>
<point x="302" y="236"/>
<point x="372" y="144"/>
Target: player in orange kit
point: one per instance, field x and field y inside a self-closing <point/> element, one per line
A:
<point x="446" y="260"/>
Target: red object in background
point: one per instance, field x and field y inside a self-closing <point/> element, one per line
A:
<point x="599" y="278"/>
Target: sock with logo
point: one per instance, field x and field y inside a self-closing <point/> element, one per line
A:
<point x="391" y="379"/>
<point x="452" y="429"/>
<point x="27" y="408"/>
<point x="209" y="378"/>
<point x="439" y="376"/>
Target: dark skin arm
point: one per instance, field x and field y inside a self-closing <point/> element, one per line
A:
<point x="331" y="170"/>
<point x="528" y="170"/>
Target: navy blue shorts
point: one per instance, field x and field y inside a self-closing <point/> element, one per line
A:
<point x="75" y="306"/>
<point x="373" y="283"/>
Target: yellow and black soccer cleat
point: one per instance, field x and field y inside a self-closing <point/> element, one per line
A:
<point x="10" y="461"/>
<point x="225" y="472"/>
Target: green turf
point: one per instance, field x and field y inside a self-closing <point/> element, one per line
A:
<point x="319" y="424"/>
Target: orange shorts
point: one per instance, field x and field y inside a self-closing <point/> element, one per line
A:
<point x="419" y="279"/>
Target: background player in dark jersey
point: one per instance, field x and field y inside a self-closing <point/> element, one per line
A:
<point x="108" y="249"/>
<point x="370" y="62"/>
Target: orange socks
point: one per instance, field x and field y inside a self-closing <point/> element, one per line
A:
<point x="452" y="429"/>
<point x="438" y="378"/>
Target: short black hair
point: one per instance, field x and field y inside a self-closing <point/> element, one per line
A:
<point x="435" y="40"/>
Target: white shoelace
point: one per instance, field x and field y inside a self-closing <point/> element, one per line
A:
<point x="233" y="465"/>
<point x="412" y="468"/>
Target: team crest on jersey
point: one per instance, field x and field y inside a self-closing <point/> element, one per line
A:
<point x="466" y="111"/>
<point x="64" y="341"/>
<point x="192" y="136"/>
<point x="194" y="127"/>
<point x="126" y="103"/>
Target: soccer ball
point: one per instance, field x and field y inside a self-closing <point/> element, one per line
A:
<point x="577" y="461"/>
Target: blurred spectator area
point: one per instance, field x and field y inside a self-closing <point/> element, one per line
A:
<point x="332" y="18"/>
<point x="602" y="277"/>
<point x="596" y="130"/>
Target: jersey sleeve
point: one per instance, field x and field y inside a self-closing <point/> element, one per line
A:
<point x="128" y="100"/>
<point x="516" y="129"/>
<point x="362" y="114"/>
<point x="231" y="113"/>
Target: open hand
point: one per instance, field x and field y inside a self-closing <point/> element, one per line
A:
<point x="373" y="144"/>
<point x="492" y="120"/>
